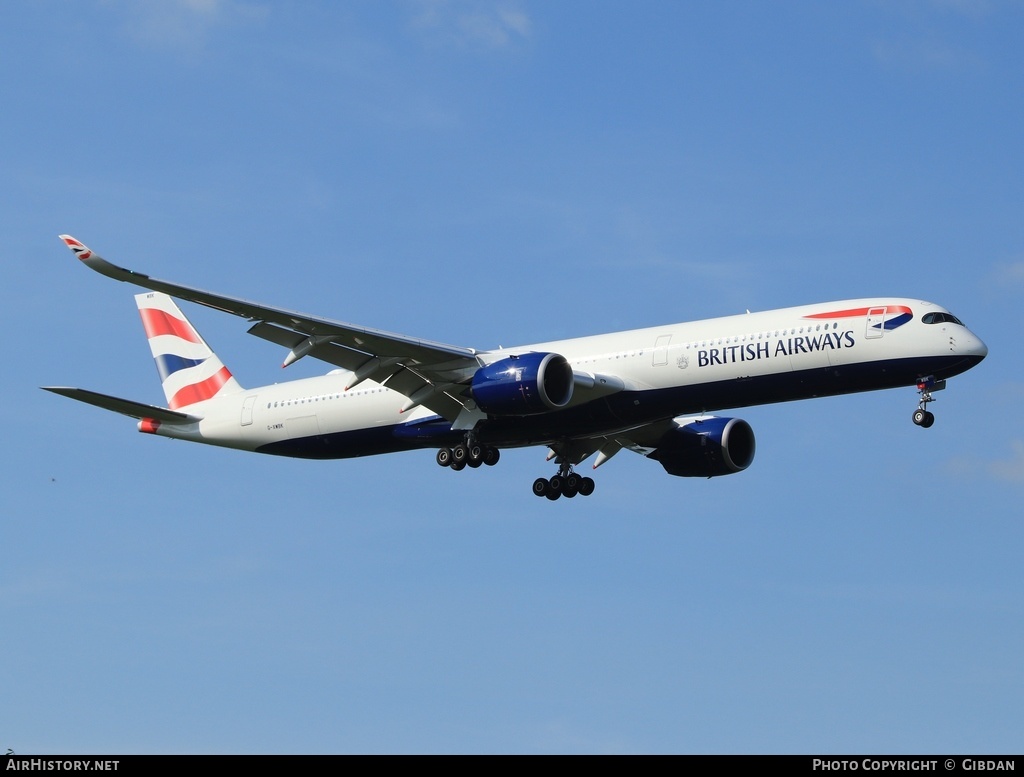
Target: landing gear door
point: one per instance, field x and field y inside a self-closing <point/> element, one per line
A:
<point x="876" y="323"/>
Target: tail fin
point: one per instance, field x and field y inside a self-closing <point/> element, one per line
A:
<point x="189" y="370"/>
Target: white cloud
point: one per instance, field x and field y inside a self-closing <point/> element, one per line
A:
<point x="473" y="23"/>
<point x="928" y="35"/>
<point x="182" y="23"/>
<point x="924" y="55"/>
<point x="1009" y="469"/>
<point x="972" y="8"/>
<point x="932" y="9"/>
<point x="1011" y="273"/>
<point x="33" y="588"/>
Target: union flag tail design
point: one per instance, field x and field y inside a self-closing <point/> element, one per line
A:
<point x="80" y="250"/>
<point x="189" y="370"/>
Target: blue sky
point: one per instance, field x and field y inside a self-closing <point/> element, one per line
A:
<point x="487" y="173"/>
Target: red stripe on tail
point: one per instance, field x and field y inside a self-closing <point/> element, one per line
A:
<point x="197" y="392"/>
<point x="157" y="322"/>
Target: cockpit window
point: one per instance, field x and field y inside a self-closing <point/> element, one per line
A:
<point x="940" y="318"/>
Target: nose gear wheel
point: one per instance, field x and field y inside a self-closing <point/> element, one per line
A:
<point x="925" y="387"/>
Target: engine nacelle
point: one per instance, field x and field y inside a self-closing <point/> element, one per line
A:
<point x="706" y="447"/>
<point x="527" y="384"/>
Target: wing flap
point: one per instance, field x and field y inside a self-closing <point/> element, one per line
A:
<point x="439" y="397"/>
<point x="327" y="351"/>
<point x="641" y="439"/>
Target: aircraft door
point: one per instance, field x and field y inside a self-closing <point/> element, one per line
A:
<point x="247" y="407"/>
<point x="876" y="323"/>
<point x="660" y="357"/>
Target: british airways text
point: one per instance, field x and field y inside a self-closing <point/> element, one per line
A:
<point x="745" y="352"/>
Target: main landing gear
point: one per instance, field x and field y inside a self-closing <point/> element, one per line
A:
<point x="566" y="483"/>
<point x="471" y="455"/>
<point x="567" y="486"/>
<point x="925" y="387"/>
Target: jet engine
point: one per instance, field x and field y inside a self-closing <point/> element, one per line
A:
<point x="526" y="384"/>
<point x="706" y="447"/>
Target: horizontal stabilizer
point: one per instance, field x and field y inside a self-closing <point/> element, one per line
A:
<point x="124" y="406"/>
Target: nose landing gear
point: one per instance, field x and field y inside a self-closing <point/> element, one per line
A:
<point x="923" y="418"/>
<point x="926" y="387"/>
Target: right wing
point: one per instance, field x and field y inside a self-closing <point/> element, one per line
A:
<point x="427" y="373"/>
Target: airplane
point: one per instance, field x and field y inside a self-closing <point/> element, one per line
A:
<point x="647" y="390"/>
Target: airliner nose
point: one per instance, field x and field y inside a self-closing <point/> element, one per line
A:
<point x="975" y="348"/>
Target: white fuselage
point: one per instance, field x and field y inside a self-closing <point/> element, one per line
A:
<point x="714" y="364"/>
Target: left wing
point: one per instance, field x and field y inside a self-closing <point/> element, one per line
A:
<point x="427" y="373"/>
<point x="124" y="406"/>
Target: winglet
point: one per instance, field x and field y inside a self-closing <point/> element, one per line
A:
<point x="96" y="262"/>
<point x="79" y="249"/>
